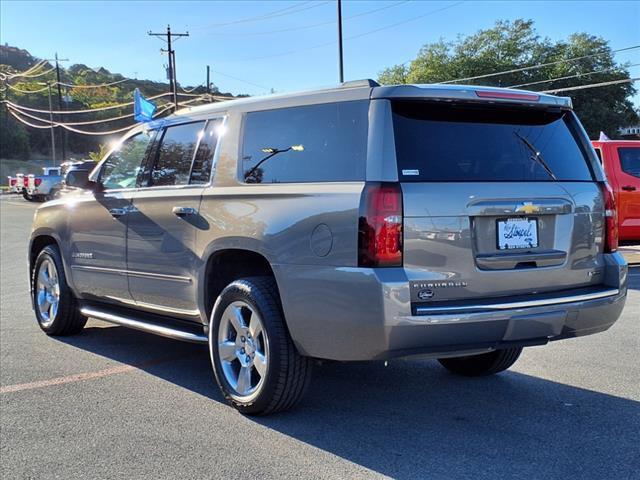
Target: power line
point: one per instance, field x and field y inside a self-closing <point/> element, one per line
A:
<point x="370" y="32"/>
<point x="540" y="65"/>
<point x="31" y="69"/>
<point x="8" y="85"/>
<point x="34" y="75"/>
<point x="240" y="80"/>
<point x="593" y="85"/>
<point x="88" y="122"/>
<point x="80" y="86"/>
<point x="84" y="132"/>
<point x="570" y="76"/>
<point x="277" y="13"/>
<point x="306" y="27"/>
<point x="90" y="110"/>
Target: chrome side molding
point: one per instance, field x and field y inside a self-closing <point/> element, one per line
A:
<point x="148" y="327"/>
<point x="514" y="305"/>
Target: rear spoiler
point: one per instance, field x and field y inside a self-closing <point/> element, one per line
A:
<point x="470" y="93"/>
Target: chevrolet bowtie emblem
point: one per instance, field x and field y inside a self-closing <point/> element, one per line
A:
<point x="527" y="207"/>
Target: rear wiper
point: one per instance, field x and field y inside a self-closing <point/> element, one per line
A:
<point x="537" y="156"/>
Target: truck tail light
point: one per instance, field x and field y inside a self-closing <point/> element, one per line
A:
<point x="380" y="226"/>
<point x="610" y="218"/>
<point x="14" y="181"/>
<point x="25" y="181"/>
<point x="37" y="181"/>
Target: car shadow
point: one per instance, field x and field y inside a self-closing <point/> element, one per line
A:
<point x="411" y="419"/>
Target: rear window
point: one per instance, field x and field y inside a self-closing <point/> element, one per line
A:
<point x="315" y="143"/>
<point x="463" y="143"/>
<point x="630" y="160"/>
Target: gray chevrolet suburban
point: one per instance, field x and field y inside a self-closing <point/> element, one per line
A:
<point x="360" y="222"/>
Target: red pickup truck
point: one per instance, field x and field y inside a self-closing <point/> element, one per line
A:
<point x="621" y="162"/>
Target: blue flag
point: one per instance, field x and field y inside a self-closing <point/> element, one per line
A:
<point x="143" y="109"/>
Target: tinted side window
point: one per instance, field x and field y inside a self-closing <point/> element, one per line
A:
<point x="315" y="143"/>
<point x="203" y="161"/>
<point x="175" y="154"/>
<point x="630" y="160"/>
<point x="121" y="169"/>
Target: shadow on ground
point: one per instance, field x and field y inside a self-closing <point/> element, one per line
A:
<point x="412" y="419"/>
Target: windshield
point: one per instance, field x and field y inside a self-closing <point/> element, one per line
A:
<point x="458" y="143"/>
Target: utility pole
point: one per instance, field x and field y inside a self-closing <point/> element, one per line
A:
<point x="208" y="82"/>
<point x="63" y="133"/>
<point x="173" y="87"/>
<point x="53" y="136"/>
<point x="340" y="64"/>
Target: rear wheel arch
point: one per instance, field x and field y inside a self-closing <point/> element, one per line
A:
<point x="226" y="265"/>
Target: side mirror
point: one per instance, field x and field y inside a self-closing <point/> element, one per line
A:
<point x="93" y="186"/>
<point x="77" y="179"/>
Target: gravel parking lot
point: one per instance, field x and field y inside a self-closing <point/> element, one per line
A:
<point x="116" y="403"/>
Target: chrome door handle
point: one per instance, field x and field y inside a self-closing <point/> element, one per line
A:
<point x="183" y="211"/>
<point x="118" y="212"/>
<point x="628" y="188"/>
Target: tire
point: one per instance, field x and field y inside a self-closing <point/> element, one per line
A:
<point x="483" y="364"/>
<point x="53" y="194"/>
<point x="66" y="318"/>
<point x="26" y="196"/>
<point x="284" y="375"/>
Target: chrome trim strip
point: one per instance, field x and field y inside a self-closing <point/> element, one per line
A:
<point x="160" y="308"/>
<point x="159" y="276"/>
<point x="144" y="326"/>
<point x="133" y="273"/>
<point x="514" y="305"/>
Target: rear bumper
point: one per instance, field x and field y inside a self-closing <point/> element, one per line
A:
<point x="365" y="314"/>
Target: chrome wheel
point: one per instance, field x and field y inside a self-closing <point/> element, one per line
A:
<point x="47" y="291"/>
<point x="243" y="349"/>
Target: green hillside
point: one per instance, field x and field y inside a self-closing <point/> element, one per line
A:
<point x="21" y="141"/>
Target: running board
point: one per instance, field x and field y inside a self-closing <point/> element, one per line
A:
<point x="162" y="330"/>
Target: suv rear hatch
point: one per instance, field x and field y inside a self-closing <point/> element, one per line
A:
<point x="499" y="201"/>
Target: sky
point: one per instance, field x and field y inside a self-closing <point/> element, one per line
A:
<point x="293" y="46"/>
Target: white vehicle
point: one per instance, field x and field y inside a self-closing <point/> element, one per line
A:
<point x="41" y="188"/>
<point x="16" y="184"/>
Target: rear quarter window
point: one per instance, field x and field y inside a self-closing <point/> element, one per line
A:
<point x="630" y="160"/>
<point x="484" y="143"/>
<point x="314" y="143"/>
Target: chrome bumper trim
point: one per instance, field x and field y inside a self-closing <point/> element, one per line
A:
<point x="515" y="305"/>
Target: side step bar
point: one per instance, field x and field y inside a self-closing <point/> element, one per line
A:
<point x="162" y="330"/>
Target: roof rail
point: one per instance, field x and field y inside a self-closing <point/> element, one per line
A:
<point x="367" y="82"/>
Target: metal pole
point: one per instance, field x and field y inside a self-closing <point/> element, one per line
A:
<point x="172" y="67"/>
<point x="53" y="136"/>
<point x="63" y="133"/>
<point x="175" y="81"/>
<point x="208" y="82"/>
<point x="340" y="62"/>
<point x="172" y="60"/>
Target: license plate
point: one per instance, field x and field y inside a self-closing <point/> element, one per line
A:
<point x="516" y="233"/>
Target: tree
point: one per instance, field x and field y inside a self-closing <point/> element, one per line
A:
<point x="14" y="139"/>
<point x="513" y="45"/>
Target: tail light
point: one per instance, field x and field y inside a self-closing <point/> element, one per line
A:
<point x="37" y="181"/>
<point x="611" y="219"/>
<point x="531" y="97"/>
<point x="14" y="181"/>
<point x="380" y="226"/>
<point x="25" y="181"/>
